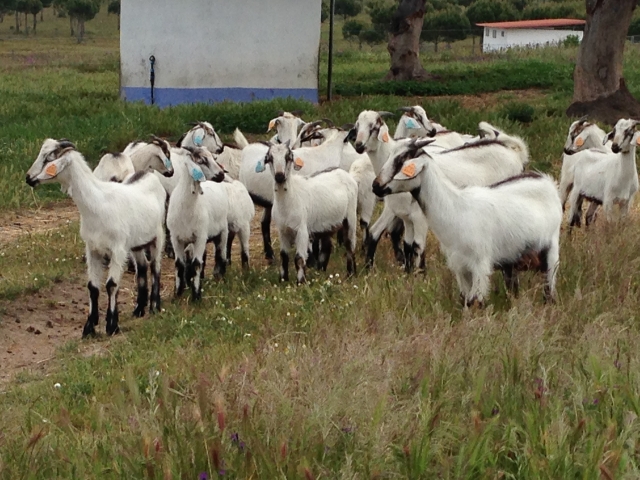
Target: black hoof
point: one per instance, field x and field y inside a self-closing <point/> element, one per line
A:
<point x="88" y="331"/>
<point x="138" y="312"/>
<point x="113" y="330"/>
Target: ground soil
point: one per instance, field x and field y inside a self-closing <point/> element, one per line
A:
<point x="33" y="327"/>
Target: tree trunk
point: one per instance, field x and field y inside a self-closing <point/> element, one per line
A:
<point x="80" y="30"/>
<point x="404" y="43"/>
<point x="26" y="23"/>
<point x="73" y="33"/>
<point x="599" y="89"/>
<point x="35" y="22"/>
<point x="17" y="15"/>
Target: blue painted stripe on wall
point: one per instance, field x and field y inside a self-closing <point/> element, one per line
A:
<point x="165" y="97"/>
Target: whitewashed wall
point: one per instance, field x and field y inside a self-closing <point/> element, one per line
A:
<point x="215" y="50"/>
<point x="523" y="37"/>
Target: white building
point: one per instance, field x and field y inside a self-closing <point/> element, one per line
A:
<point x="529" y="33"/>
<point x="216" y="50"/>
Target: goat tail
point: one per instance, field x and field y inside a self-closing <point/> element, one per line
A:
<point x="240" y="139"/>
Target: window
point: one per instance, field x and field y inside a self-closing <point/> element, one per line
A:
<point x="486" y="32"/>
<point x="502" y="33"/>
<point x="494" y="33"/>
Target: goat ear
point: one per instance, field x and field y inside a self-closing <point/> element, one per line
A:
<point x="272" y="124"/>
<point x="608" y="137"/>
<point x="383" y="134"/>
<point x="423" y="142"/>
<point x="410" y="169"/>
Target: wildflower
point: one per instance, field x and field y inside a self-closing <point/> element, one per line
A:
<point x="57" y="385"/>
<point x="495" y="411"/>
<point x="617" y="364"/>
<point x="203" y="476"/>
<point x="235" y="438"/>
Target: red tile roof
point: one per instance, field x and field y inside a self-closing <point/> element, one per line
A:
<point x="547" y="23"/>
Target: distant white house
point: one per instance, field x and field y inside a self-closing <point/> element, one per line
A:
<point x="216" y="50"/>
<point x="529" y="33"/>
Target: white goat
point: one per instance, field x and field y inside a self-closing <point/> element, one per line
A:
<point x="309" y="160"/>
<point x="511" y="225"/>
<point x="317" y="205"/>
<point x="286" y="125"/>
<point x="414" y="123"/>
<point x="198" y="212"/>
<point x="607" y="178"/>
<point x="115" y="219"/>
<point x="584" y="143"/>
<point x="137" y="156"/>
<point x="241" y="212"/>
<point x="479" y="163"/>
<point x="202" y="134"/>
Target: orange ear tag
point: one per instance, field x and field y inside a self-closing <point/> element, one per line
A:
<point x="299" y="162"/>
<point x="638" y="141"/>
<point x="51" y="170"/>
<point x="579" y="141"/>
<point x="409" y="170"/>
<point x="385" y="137"/>
<point x="272" y="124"/>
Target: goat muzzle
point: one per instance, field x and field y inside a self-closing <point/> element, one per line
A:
<point x="218" y="177"/>
<point x="280" y="178"/>
<point x="359" y="146"/>
<point x="379" y="190"/>
<point x="32" y="182"/>
<point x="568" y="151"/>
<point x="168" y="174"/>
<point x="433" y="132"/>
<point x="615" y="148"/>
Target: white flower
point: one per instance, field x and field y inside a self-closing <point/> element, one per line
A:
<point x="57" y="385"/>
<point x="247" y="335"/>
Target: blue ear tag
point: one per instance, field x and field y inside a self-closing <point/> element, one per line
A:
<point x="410" y="123"/>
<point x="167" y="163"/>
<point x="260" y="167"/>
<point x="198" y="140"/>
<point x="197" y="174"/>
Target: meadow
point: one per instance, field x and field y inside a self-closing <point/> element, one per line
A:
<point x="379" y="376"/>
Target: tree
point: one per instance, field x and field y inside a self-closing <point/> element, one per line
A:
<point x="45" y="4"/>
<point x="537" y="12"/>
<point x="348" y="8"/>
<point x="404" y="42"/>
<point x="445" y="25"/>
<point x="599" y="89"/>
<point x="483" y="11"/>
<point x="6" y="6"/>
<point x="352" y="29"/>
<point x="114" y="7"/>
<point x="80" y="11"/>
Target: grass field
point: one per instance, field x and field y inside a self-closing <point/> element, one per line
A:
<point x="380" y="376"/>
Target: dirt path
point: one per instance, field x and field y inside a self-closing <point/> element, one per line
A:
<point x="33" y="327"/>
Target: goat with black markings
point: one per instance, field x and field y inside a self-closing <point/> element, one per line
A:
<point x="317" y="205"/>
<point x="115" y="219"/>
<point x="511" y="225"/>
<point x="607" y="178"/>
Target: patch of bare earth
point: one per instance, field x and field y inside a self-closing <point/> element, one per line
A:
<point x="14" y="224"/>
<point x="34" y="326"/>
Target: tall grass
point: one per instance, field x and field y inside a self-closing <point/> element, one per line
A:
<point x="379" y="376"/>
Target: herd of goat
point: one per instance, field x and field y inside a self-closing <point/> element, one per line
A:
<point x="473" y="192"/>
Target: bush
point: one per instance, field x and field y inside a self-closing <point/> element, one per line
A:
<point x="519" y="112"/>
<point x="372" y="36"/>
<point x="494" y="77"/>
<point x="571" y="41"/>
<point x="352" y="29"/>
<point x="348" y="8"/>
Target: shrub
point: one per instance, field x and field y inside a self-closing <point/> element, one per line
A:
<point x="519" y="112"/>
<point x="352" y="29"/>
<point x="571" y="41"/>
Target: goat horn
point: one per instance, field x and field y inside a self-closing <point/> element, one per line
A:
<point x="64" y="143"/>
<point x="384" y="113"/>
<point x="583" y="119"/>
<point x="329" y="123"/>
<point x="347" y="126"/>
<point x="297" y="113"/>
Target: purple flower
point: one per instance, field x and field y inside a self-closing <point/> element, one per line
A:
<point x="203" y="476"/>
<point x="495" y="411"/>
<point x="235" y="438"/>
<point x="222" y="472"/>
<point x="595" y="401"/>
<point x="241" y="446"/>
<point x="347" y="429"/>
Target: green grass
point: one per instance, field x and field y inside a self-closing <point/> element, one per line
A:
<point x="380" y="376"/>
